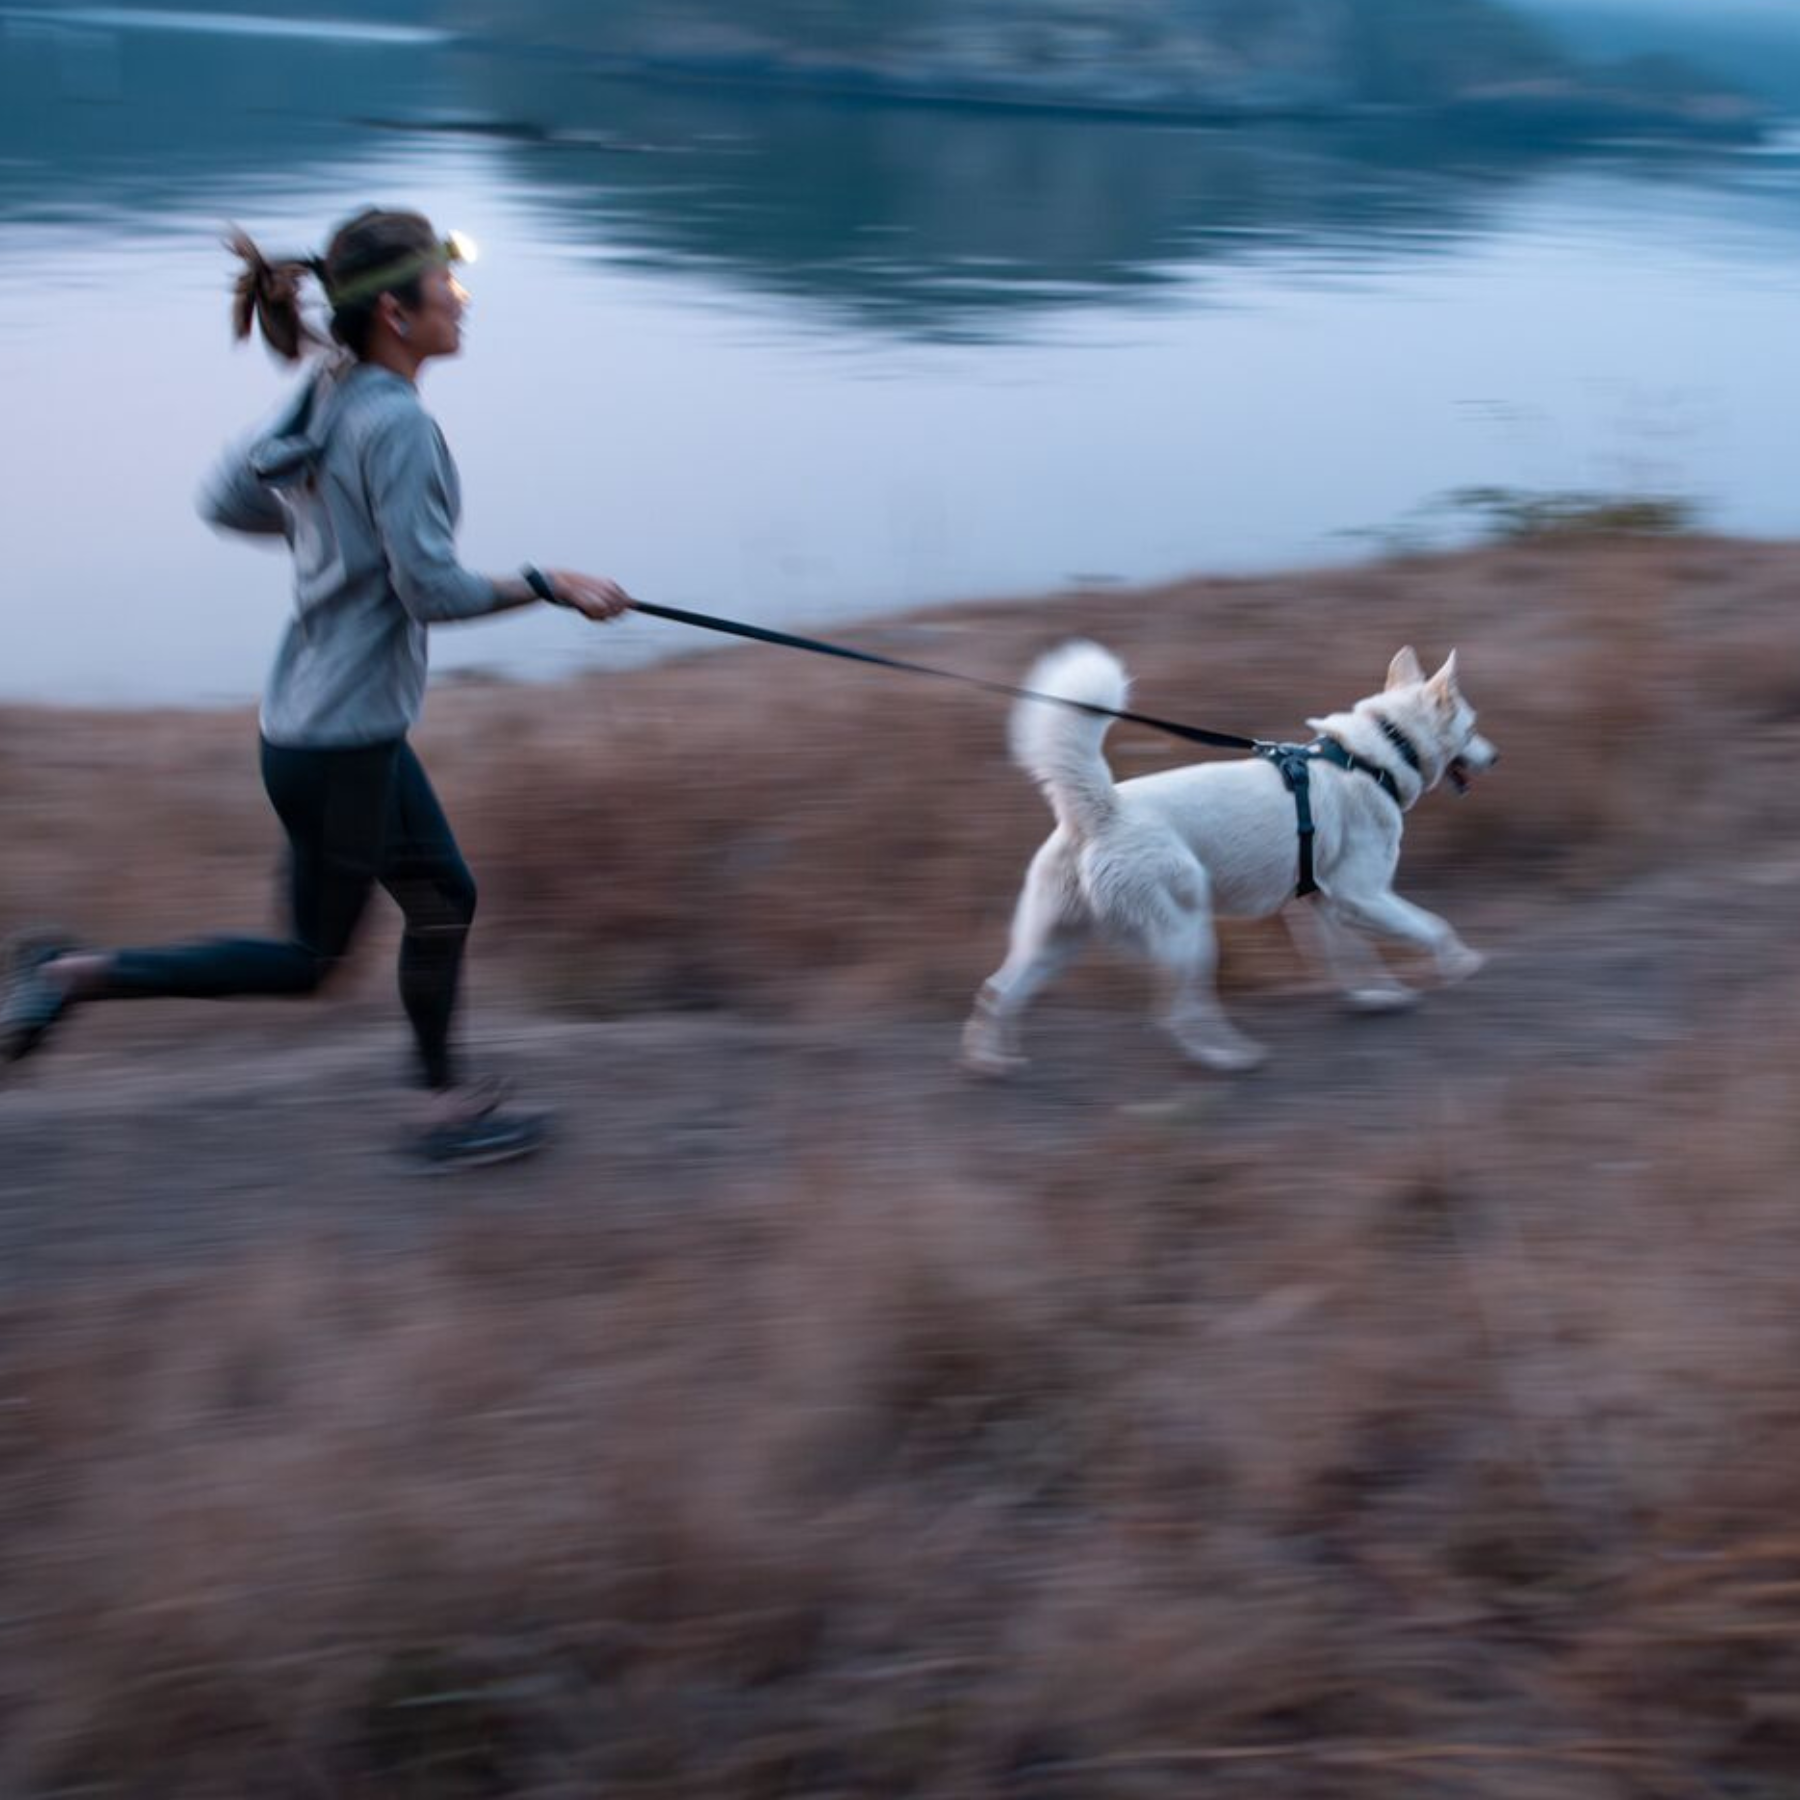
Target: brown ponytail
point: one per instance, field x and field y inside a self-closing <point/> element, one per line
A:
<point x="269" y="293"/>
<point x="374" y="253"/>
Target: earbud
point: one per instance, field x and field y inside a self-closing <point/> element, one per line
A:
<point x="402" y="329"/>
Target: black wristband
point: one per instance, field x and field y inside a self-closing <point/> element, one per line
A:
<point x="540" y="584"/>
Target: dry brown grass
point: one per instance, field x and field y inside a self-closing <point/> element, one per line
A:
<point x="760" y="829"/>
<point x="1453" y="1461"/>
<point x="1465" y="1473"/>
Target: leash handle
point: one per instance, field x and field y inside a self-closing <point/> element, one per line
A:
<point x="762" y="634"/>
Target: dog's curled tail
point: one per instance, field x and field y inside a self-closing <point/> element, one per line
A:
<point x="1059" y="746"/>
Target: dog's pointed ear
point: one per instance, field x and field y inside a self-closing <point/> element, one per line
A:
<point x="1317" y="725"/>
<point x="1442" y="686"/>
<point x="1405" y="669"/>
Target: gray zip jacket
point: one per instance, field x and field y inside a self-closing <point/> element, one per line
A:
<point x="356" y="475"/>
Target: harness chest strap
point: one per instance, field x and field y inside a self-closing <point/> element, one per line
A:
<point x="1293" y="762"/>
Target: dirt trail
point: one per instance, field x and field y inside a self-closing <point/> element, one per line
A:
<point x="208" y="1133"/>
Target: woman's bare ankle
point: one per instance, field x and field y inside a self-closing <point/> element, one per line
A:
<point x="446" y="1108"/>
<point x="79" y="974"/>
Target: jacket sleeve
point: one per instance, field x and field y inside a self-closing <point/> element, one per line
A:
<point x="234" y="498"/>
<point x="410" y="486"/>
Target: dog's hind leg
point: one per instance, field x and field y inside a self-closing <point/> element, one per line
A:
<point x="1353" y="968"/>
<point x="1049" y="929"/>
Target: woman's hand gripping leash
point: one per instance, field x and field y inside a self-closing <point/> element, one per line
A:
<point x="595" y="597"/>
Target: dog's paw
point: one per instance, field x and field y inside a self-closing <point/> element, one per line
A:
<point x="989" y="1065"/>
<point x="1233" y="1055"/>
<point x="985" y="1052"/>
<point x="1391" y="997"/>
<point x="1459" y="962"/>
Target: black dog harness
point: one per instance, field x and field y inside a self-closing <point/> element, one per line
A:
<point x="1293" y="762"/>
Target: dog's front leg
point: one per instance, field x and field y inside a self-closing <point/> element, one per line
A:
<point x="1185" y="954"/>
<point x="1352" y="967"/>
<point x="1389" y="916"/>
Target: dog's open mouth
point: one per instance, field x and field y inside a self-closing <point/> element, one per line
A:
<point x="1460" y="775"/>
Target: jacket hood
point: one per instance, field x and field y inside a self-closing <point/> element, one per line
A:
<point x="288" y="451"/>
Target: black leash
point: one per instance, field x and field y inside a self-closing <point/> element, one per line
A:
<point x="787" y="640"/>
<point x="1292" y="761"/>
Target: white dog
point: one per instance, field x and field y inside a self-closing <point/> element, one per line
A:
<point x="1150" y="863"/>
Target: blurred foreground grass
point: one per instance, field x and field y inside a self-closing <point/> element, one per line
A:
<point x="1416" y="1420"/>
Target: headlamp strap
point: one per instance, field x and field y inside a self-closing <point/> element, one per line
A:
<point x="393" y="275"/>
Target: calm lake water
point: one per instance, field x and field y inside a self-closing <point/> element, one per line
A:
<point x="806" y="360"/>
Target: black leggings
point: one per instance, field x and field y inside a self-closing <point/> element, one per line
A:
<point x="353" y="818"/>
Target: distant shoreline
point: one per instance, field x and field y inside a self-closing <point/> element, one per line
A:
<point x="1569" y="112"/>
<point x="1575" y="107"/>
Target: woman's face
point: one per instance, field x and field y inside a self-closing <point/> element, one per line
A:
<point x="434" y="326"/>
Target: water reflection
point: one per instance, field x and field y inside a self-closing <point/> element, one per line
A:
<point x="926" y="221"/>
<point x="933" y="220"/>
